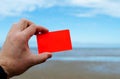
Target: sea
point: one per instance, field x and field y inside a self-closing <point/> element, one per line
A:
<point x="108" y="59"/>
<point x="87" y="54"/>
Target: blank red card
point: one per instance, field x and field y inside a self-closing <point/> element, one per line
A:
<point x="54" y="41"/>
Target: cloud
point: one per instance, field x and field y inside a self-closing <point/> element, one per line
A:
<point x="97" y="7"/>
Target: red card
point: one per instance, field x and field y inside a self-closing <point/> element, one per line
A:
<point x="54" y="41"/>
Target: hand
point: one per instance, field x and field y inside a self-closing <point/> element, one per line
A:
<point x="15" y="56"/>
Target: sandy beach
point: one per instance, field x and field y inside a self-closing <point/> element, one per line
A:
<point x="73" y="70"/>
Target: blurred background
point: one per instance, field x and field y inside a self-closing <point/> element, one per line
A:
<point x="94" y="26"/>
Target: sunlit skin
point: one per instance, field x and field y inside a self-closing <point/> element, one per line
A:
<point x="15" y="55"/>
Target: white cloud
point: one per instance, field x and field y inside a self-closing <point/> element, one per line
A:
<point x="105" y="7"/>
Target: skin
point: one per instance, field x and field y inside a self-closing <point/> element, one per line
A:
<point x="15" y="55"/>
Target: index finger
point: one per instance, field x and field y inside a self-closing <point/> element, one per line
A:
<point x="34" y="29"/>
<point x="24" y="23"/>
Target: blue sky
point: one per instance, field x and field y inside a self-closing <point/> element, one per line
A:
<point x="91" y="22"/>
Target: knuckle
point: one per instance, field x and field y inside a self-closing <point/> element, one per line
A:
<point x="23" y="19"/>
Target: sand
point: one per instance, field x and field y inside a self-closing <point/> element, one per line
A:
<point x="72" y="70"/>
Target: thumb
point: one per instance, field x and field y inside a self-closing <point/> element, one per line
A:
<point x="37" y="59"/>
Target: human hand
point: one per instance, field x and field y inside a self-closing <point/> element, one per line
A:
<point x="15" y="56"/>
